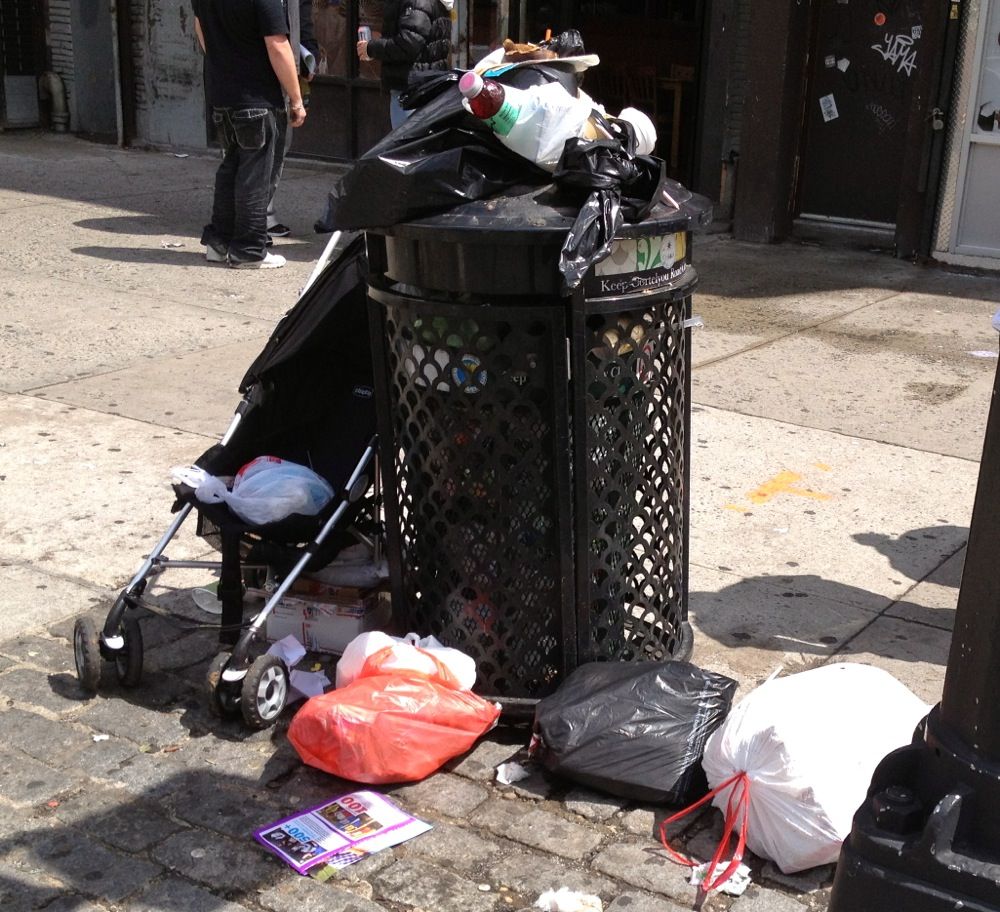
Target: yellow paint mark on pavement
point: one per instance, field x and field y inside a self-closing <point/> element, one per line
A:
<point x="784" y="483"/>
<point x="822" y="466"/>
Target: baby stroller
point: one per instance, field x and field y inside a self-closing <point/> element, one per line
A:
<point x="308" y="398"/>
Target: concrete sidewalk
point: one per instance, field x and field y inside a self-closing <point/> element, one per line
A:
<point x="840" y="399"/>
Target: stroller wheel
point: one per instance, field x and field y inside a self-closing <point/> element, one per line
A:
<point x="265" y="691"/>
<point x="223" y="698"/>
<point x="87" y="652"/>
<point x="128" y="659"/>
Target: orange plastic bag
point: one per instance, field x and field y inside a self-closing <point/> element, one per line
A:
<point x="390" y="726"/>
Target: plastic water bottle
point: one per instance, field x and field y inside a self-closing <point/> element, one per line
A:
<point x="536" y="122"/>
<point x="490" y="101"/>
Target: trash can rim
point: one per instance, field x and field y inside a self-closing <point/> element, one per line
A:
<point x="519" y="219"/>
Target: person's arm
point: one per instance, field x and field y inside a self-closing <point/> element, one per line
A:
<point x="307" y="32"/>
<point x="405" y="46"/>
<point x="307" y="37"/>
<point x="279" y="51"/>
<point x="199" y="34"/>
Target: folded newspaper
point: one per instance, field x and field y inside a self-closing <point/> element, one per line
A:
<point x="339" y="832"/>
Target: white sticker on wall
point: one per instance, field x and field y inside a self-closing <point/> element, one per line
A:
<point x="843" y="64"/>
<point x="917" y="31"/>
<point x="830" y="60"/>
<point x="828" y="106"/>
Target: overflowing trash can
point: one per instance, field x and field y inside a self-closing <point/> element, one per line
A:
<point x="534" y="444"/>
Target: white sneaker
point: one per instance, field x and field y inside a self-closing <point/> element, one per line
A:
<point x="270" y="261"/>
<point x="214" y="256"/>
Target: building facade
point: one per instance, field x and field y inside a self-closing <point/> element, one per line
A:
<point x="966" y="230"/>
<point x="791" y="115"/>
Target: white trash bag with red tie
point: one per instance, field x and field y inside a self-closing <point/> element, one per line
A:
<point x="792" y="763"/>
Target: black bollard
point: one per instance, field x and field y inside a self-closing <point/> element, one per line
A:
<point x="927" y="837"/>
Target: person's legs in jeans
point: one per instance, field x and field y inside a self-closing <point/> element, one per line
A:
<point x="219" y="232"/>
<point x="284" y="146"/>
<point x="257" y="137"/>
<point x="397" y="114"/>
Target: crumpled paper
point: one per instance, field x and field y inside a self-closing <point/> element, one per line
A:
<point x="566" y="900"/>
<point x="302" y="684"/>
<point x="736" y="885"/>
<point x="305" y="684"/>
<point x="510" y="772"/>
<point x="289" y="650"/>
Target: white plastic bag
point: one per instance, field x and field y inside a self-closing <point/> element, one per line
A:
<point x="809" y="744"/>
<point x="645" y="130"/>
<point x="265" y="490"/>
<point x="406" y="654"/>
<point x="547" y="116"/>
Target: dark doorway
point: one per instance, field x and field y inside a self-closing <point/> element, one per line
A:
<point x="21" y="60"/>
<point x="650" y="54"/>
<point x="864" y="63"/>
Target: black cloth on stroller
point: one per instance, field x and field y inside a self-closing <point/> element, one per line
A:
<point x="309" y="398"/>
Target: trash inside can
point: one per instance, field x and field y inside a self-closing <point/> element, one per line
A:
<point x="535" y="444"/>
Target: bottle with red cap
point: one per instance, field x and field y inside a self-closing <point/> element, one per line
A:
<point x="491" y="101"/>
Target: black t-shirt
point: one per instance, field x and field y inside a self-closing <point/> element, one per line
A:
<point x="239" y="72"/>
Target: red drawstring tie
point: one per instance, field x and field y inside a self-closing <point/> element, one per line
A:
<point x="737" y="806"/>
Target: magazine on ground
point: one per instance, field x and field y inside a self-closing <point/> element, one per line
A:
<point x="339" y="832"/>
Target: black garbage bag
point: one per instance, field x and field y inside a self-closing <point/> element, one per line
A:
<point x="442" y="157"/>
<point x="637" y="730"/>
<point x="439" y="157"/>
<point x="420" y="91"/>
<point x="566" y="44"/>
<point x="426" y="175"/>
<point x="618" y="186"/>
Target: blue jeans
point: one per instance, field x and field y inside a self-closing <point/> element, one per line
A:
<point x="397" y="114"/>
<point x="253" y="151"/>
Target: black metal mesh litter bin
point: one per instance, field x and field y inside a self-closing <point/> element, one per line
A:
<point x="534" y="446"/>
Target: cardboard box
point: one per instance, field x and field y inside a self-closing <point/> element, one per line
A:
<point x="317" y="590"/>
<point x="323" y="626"/>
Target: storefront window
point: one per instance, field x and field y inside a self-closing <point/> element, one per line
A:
<point x="331" y="24"/>
<point x="348" y="107"/>
<point x="370" y="14"/>
<point x="330" y="27"/>
<point x="988" y="112"/>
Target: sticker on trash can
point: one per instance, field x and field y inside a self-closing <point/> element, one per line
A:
<point x="467" y="375"/>
<point x="639" y="264"/>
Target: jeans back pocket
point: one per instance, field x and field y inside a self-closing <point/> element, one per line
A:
<point x="249" y="125"/>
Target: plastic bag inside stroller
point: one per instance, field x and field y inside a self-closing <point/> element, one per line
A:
<point x="307" y="398"/>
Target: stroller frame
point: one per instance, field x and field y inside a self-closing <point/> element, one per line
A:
<point x="120" y="640"/>
<point x="237" y="682"/>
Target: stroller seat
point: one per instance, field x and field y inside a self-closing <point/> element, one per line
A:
<point x="309" y="398"/>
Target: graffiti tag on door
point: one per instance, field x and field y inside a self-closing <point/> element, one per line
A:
<point x="899" y="51"/>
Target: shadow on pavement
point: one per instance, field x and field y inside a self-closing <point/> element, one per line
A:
<point x="191" y="254"/>
<point x="133" y="224"/>
<point x="817" y="617"/>
<point x="183" y="843"/>
<point x="902" y="555"/>
<point x="807" y="615"/>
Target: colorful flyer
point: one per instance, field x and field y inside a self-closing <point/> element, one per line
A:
<point x="339" y="832"/>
